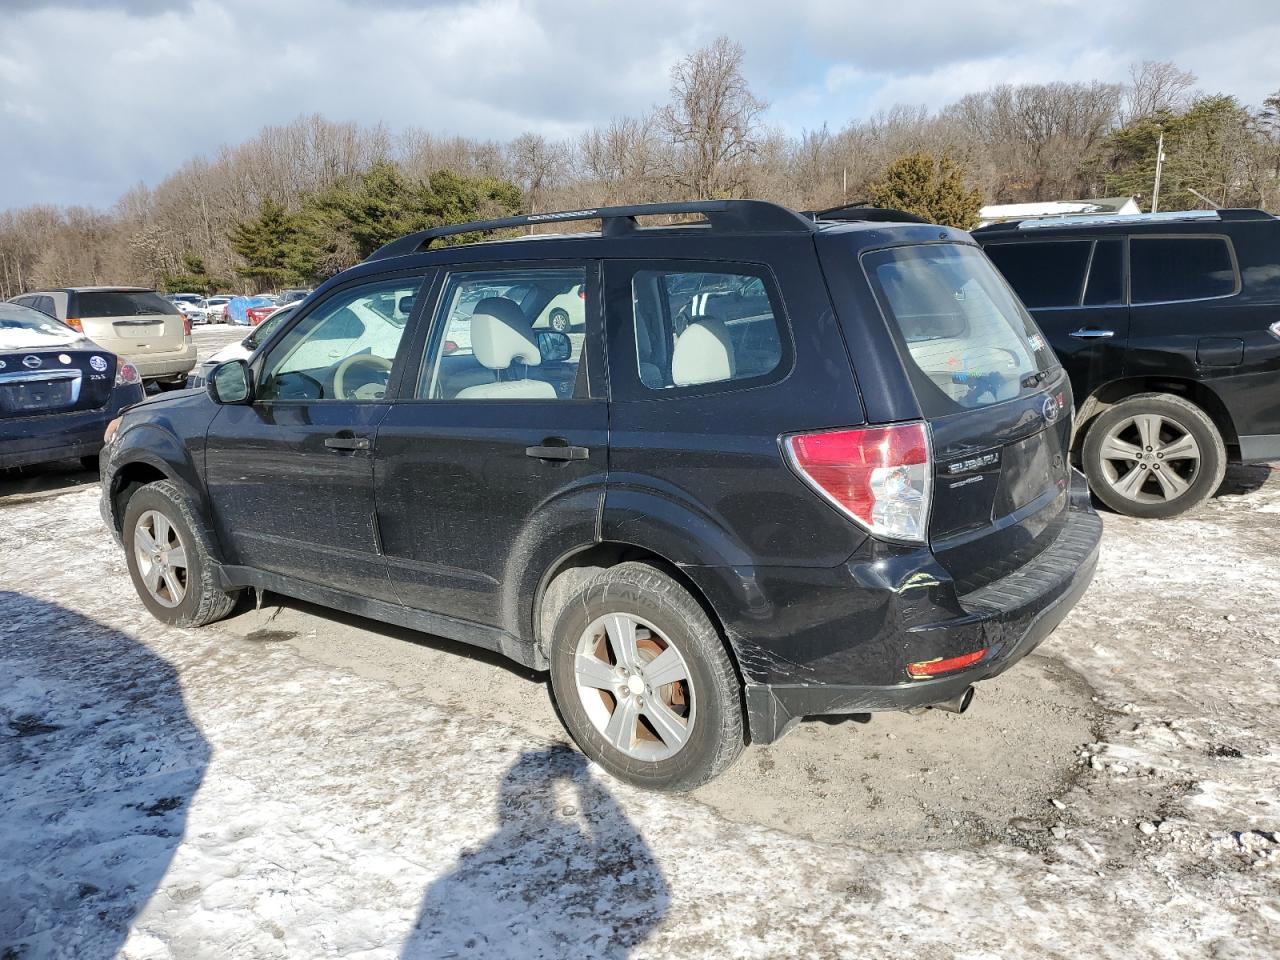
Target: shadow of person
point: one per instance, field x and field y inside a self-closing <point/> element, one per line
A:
<point x="566" y="875"/>
<point x="98" y="764"/>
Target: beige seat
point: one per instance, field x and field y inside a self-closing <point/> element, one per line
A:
<point x="703" y="354"/>
<point x="501" y="336"/>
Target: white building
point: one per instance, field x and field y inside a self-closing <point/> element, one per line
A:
<point x="1000" y="212"/>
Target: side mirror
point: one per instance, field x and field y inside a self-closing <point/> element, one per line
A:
<point x="231" y="383"/>
<point x="554" y="346"/>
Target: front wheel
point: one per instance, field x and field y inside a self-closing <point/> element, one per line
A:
<point x="642" y="680"/>
<point x="168" y="559"/>
<point x="1154" y="456"/>
<point x="559" y="320"/>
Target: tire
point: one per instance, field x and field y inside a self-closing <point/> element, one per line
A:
<point x="1139" y="434"/>
<point x="700" y="711"/>
<point x="559" y="320"/>
<point x="197" y="600"/>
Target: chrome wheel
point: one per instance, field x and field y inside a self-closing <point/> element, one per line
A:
<point x="1150" y="458"/>
<point x="161" y="558"/>
<point x="635" y="687"/>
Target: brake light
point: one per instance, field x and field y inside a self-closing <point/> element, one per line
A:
<point x="74" y="324"/>
<point x="582" y="293"/>
<point x="450" y="347"/>
<point x="186" y="326"/>
<point x="881" y="477"/>
<point x="126" y="374"/>
<point x="933" y="668"/>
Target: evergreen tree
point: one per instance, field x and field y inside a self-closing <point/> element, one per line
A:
<point x="930" y="187"/>
<point x="269" y="245"/>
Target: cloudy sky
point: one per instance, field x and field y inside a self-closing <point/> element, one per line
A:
<point x="97" y="95"/>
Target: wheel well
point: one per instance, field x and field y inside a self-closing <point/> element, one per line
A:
<point x="127" y="481"/>
<point x="1191" y="390"/>
<point x="570" y="573"/>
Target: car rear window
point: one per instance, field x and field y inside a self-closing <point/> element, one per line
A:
<point x="1044" y="274"/>
<point x="1180" y="268"/>
<point x="122" y="303"/>
<point x="966" y="340"/>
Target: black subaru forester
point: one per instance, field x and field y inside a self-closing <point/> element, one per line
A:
<point x="787" y="466"/>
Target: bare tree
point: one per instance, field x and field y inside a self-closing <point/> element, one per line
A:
<point x="1156" y="86"/>
<point x="713" y="120"/>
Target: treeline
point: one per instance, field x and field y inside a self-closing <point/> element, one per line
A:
<point x="299" y="202"/>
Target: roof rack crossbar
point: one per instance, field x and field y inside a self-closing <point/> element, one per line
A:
<point x="723" y="216"/>
<point x="867" y="212"/>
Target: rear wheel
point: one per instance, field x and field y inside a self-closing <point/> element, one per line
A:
<point x="1154" y="456"/>
<point x="642" y="680"/>
<point x="168" y="559"/>
<point x="559" y="320"/>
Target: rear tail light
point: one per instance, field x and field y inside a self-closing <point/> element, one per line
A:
<point x="450" y="347"/>
<point x="934" y="668"/>
<point x="186" y="325"/>
<point x="74" y="324"/>
<point x="881" y="477"/>
<point x="126" y="374"/>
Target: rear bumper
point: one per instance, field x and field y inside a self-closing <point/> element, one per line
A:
<point x="1009" y="618"/>
<point x="61" y="436"/>
<point x="162" y="366"/>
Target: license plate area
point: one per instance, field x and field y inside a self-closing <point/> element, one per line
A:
<point x="39" y="395"/>
<point x="1030" y="467"/>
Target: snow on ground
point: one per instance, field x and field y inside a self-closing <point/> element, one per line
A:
<point x="190" y="793"/>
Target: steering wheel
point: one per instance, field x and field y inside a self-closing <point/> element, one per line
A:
<point x="364" y="391"/>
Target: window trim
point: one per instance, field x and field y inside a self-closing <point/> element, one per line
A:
<point x="1231" y="253"/>
<point x="432" y="329"/>
<point x="262" y="352"/>
<point x="624" y="377"/>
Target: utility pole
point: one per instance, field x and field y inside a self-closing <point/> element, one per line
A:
<point x="1155" y="194"/>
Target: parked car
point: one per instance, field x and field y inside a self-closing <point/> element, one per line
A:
<point x="58" y="390"/>
<point x="293" y="295"/>
<point x="133" y="322"/>
<point x="856" y="499"/>
<point x="237" y="309"/>
<point x="256" y="315"/>
<point x="216" y="308"/>
<point x="1167" y="325"/>
<point x="241" y="349"/>
<point x="564" y="311"/>
<point x="190" y="306"/>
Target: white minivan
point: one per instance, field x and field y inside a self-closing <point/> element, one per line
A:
<point x="134" y="322"/>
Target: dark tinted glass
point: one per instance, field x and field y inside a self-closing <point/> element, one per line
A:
<point x="1106" y="275"/>
<point x="1180" y="268"/>
<point x="122" y="303"/>
<point x="1044" y="274"/>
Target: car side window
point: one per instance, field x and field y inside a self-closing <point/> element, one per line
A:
<point x="509" y="334"/>
<point x="703" y="326"/>
<point x="344" y="348"/>
<point x="1046" y="274"/>
<point x="1105" y="287"/>
<point x="1180" y="268"/>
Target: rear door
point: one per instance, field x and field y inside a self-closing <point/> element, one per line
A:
<point x="1075" y="290"/>
<point x="487" y="470"/>
<point x="133" y="323"/>
<point x="996" y="401"/>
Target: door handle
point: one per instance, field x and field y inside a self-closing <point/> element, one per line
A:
<point x="1092" y="333"/>
<point x="347" y="443"/>
<point x="549" y="450"/>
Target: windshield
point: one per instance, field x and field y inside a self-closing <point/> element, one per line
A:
<point x="968" y="341"/>
<point x="23" y="328"/>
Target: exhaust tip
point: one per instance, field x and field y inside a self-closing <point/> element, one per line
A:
<point x="957" y="704"/>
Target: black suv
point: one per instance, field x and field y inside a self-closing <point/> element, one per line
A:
<point x="1169" y="326"/>
<point x="790" y="466"/>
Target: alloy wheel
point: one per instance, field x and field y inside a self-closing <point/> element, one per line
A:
<point x="635" y="687"/>
<point x="1150" y="458"/>
<point x="161" y="557"/>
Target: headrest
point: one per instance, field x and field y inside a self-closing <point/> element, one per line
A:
<point x="500" y="334"/>
<point x="702" y="354"/>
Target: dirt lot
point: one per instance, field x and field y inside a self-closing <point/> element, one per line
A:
<point x="297" y="782"/>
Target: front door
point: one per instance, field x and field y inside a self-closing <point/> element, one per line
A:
<point x="291" y="476"/>
<point x="494" y="458"/>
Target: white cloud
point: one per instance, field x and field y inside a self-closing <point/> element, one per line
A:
<point x="96" y="96"/>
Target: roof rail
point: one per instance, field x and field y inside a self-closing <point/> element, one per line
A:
<point x="723" y="216"/>
<point x="866" y="212"/>
<point x="1104" y="219"/>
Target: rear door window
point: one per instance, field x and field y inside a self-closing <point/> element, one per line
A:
<point x="1105" y="286"/>
<point x="1181" y="268"/>
<point x="1044" y="275"/>
<point x="122" y="303"/>
<point x="965" y="338"/>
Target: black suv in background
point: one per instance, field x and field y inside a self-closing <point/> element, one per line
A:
<point x="1169" y="326"/>
<point x="789" y="466"/>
